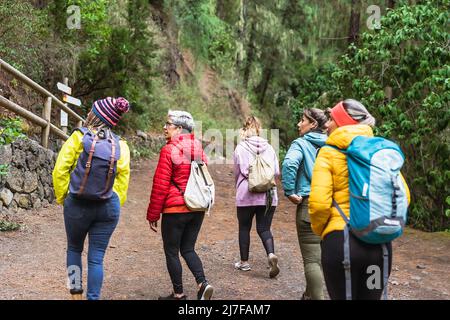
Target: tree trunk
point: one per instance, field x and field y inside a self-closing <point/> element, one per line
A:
<point x="250" y="56"/>
<point x="391" y="4"/>
<point x="355" y="15"/>
<point x="264" y="84"/>
<point x="240" y="36"/>
<point x="159" y="4"/>
<point x="220" y="9"/>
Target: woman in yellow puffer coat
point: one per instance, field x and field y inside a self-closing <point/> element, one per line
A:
<point x="348" y="119"/>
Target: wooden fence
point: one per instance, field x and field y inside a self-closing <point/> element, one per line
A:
<point x="49" y="100"/>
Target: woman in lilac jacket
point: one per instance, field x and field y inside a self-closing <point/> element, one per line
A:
<point x="250" y="204"/>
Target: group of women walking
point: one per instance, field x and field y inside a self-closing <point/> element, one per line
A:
<point x="312" y="177"/>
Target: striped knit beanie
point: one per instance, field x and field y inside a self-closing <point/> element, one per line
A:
<point x="110" y="110"/>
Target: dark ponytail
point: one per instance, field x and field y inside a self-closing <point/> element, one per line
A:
<point x="318" y="116"/>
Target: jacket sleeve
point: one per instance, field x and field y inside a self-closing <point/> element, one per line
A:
<point x="290" y="167"/>
<point x="123" y="173"/>
<point x="321" y="196"/>
<point x="276" y="162"/>
<point x="408" y="194"/>
<point x="236" y="168"/>
<point x="161" y="185"/>
<point x="65" y="163"/>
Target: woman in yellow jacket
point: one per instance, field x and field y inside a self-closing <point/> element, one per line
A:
<point x="348" y="119"/>
<point x="91" y="178"/>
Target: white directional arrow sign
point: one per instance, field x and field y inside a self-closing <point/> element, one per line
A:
<point x="72" y="100"/>
<point x="62" y="87"/>
<point x="64" y="119"/>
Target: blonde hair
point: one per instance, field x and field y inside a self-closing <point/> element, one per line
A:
<point x="252" y="127"/>
<point x="92" y="121"/>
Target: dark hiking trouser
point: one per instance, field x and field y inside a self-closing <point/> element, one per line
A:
<point x="310" y="249"/>
<point x="263" y="222"/>
<point x="179" y="234"/>
<point x="366" y="264"/>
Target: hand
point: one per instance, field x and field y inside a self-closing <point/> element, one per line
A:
<point x="154" y="226"/>
<point x="295" y="199"/>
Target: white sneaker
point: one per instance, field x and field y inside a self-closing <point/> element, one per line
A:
<point x="273" y="264"/>
<point x="242" y="266"/>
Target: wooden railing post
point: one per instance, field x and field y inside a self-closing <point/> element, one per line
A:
<point x="79" y="124"/>
<point x="46" y="114"/>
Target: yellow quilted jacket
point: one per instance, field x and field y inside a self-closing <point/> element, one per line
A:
<point x="67" y="161"/>
<point x="330" y="181"/>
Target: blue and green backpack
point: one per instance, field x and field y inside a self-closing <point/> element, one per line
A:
<point x="378" y="197"/>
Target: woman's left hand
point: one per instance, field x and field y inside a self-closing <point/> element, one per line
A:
<point x="295" y="199"/>
<point x="154" y="226"/>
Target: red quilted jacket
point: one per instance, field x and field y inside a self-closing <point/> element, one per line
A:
<point x="174" y="163"/>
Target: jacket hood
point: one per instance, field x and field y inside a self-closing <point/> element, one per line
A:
<point x="343" y="136"/>
<point x="316" y="138"/>
<point x="256" y="144"/>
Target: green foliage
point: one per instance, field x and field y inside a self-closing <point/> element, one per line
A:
<point x="202" y="31"/>
<point x="10" y="130"/>
<point x="4" y="169"/>
<point x="211" y="114"/>
<point x="409" y="56"/>
<point x="22" y="34"/>
<point x="8" y="226"/>
<point x="138" y="152"/>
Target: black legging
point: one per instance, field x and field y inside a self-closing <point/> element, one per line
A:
<point x="179" y="234"/>
<point x="362" y="256"/>
<point x="263" y="223"/>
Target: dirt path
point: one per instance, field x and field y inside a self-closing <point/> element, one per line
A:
<point x="32" y="260"/>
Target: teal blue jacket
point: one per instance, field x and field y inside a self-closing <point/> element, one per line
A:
<point x="299" y="162"/>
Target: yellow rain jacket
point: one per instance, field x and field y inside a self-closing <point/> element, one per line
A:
<point x="330" y="181"/>
<point x="67" y="161"/>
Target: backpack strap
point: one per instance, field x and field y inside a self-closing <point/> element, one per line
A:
<point x="344" y="151"/>
<point x="88" y="166"/>
<point x="346" y="262"/>
<point x="111" y="163"/>
<point x="176" y="185"/>
<point x="385" y="270"/>
<point x="248" y="149"/>
<point x="335" y="204"/>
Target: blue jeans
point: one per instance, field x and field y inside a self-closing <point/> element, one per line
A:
<point x="98" y="219"/>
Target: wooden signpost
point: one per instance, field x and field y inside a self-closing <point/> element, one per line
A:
<point x="64" y="87"/>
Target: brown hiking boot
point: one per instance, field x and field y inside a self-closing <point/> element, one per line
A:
<point x="77" y="294"/>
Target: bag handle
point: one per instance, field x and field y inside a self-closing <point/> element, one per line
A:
<point x="111" y="164"/>
<point x="88" y="166"/>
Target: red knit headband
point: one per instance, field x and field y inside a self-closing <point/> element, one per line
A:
<point x="340" y="116"/>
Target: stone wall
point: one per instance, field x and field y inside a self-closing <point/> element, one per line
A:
<point x="28" y="184"/>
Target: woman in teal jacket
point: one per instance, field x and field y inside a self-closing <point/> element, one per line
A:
<point x="296" y="178"/>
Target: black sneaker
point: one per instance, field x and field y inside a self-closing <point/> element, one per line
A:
<point x="172" y="297"/>
<point x="205" y="292"/>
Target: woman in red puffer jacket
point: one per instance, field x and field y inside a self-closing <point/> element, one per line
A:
<point x="179" y="226"/>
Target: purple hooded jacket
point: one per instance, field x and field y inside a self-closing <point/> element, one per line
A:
<point x="242" y="159"/>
